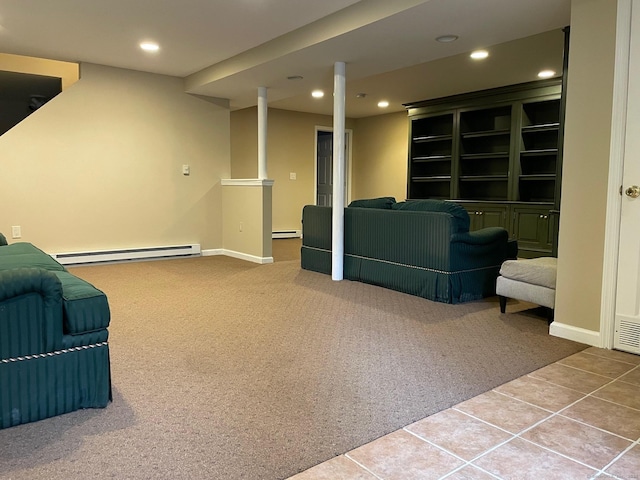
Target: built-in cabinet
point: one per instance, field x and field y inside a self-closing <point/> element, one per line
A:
<point x="498" y="154"/>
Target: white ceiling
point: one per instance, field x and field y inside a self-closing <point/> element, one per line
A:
<point x="228" y="48"/>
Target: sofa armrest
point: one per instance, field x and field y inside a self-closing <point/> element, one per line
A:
<point x="481" y="237"/>
<point x="30" y="312"/>
<point x="3" y="239"/>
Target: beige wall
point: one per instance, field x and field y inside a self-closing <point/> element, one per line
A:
<point x="380" y="156"/>
<point x="99" y="166"/>
<point x="586" y="163"/>
<point x="246" y="221"/>
<point x="291" y="144"/>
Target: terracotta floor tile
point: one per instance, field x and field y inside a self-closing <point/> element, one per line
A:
<point x="627" y="466"/>
<point x="540" y="393"/>
<point x="338" y="468"/>
<point x="580" y="442"/>
<point x="521" y="460"/>
<point x="597" y="364"/>
<point x="459" y="433"/>
<point x="614" y="355"/>
<point x="618" y="419"/>
<point x="632" y="377"/>
<point x="470" y="473"/>
<point x="503" y="411"/>
<point x="572" y="378"/>
<point x="620" y="392"/>
<point x="402" y="456"/>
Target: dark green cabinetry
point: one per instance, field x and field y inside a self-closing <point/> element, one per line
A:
<point x="497" y="153"/>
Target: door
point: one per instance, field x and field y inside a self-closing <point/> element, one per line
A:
<point x="627" y="316"/>
<point x="324" y="169"/>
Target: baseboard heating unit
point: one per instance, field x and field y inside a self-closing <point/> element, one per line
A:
<point x="128" y="254"/>
<point x="286" y="234"/>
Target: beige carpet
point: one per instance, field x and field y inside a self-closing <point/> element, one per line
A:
<point x="224" y="369"/>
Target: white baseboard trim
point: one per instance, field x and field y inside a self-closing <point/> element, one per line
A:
<point x="577" y="334"/>
<point x="211" y="252"/>
<point x="239" y="255"/>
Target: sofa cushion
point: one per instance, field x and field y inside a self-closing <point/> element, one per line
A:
<point x="460" y="216"/>
<point x="381" y="202"/>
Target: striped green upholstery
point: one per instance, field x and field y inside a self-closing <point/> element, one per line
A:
<point x="54" y="355"/>
<point x="422" y="253"/>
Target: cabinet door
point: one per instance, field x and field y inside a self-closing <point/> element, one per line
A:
<point x="532" y="227"/>
<point x="484" y="215"/>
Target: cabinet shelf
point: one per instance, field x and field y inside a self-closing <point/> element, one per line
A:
<point x="480" y="156"/>
<point x="545" y="127"/>
<point x="432" y="138"/>
<point x="432" y="158"/>
<point x="483" y="178"/>
<point x="538" y="177"/>
<point x="439" y="178"/>
<point x="486" y="133"/>
<point x="541" y="152"/>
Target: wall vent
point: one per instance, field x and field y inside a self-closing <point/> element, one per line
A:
<point x="628" y="336"/>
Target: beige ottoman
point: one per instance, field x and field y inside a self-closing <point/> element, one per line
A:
<point x="530" y="280"/>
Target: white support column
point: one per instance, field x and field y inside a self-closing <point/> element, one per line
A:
<point x="262" y="133"/>
<point x="337" y="240"/>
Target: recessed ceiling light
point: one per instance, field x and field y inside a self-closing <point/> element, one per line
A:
<point x="317" y="94"/>
<point x="546" y="74"/>
<point x="149" y="47"/>
<point x="446" y="38"/>
<point x="295" y="77"/>
<point x="383" y="104"/>
<point x="479" y="54"/>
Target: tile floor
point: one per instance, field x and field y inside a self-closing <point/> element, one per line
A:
<point x="578" y="418"/>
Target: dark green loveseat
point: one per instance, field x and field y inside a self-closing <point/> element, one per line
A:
<point x="423" y="248"/>
<point x="54" y="355"/>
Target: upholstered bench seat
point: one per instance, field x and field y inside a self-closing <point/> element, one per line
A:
<point x="530" y="280"/>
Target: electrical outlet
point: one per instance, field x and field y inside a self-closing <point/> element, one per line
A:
<point x="16" y="231"/>
<point x="292" y="175"/>
<point x="186" y="170"/>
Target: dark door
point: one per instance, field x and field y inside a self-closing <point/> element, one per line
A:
<point x="325" y="171"/>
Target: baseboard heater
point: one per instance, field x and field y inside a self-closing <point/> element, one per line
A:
<point x="286" y="234"/>
<point x="128" y="254"/>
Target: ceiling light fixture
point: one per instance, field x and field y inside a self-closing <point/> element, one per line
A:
<point x="361" y="95"/>
<point x="295" y="77"/>
<point x="479" y="54"/>
<point x="546" y="74"/>
<point x="446" y="38"/>
<point x="383" y="104"/>
<point x="317" y="94"/>
<point x="149" y="47"/>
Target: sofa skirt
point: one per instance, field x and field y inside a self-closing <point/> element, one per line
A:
<point x="40" y="386"/>
<point x="438" y="286"/>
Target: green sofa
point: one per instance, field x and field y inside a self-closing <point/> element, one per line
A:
<point x="422" y="248"/>
<point x="54" y="352"/>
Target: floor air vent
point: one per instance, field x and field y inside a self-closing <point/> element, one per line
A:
<point x="129" y="254"/>
<point x="628" y="336"/>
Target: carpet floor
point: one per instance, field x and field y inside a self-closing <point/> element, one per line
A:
<point x="224" y="369"/>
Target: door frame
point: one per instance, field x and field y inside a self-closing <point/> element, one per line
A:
<point x="347" y="162"/>
<point x="616" y="164"/>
